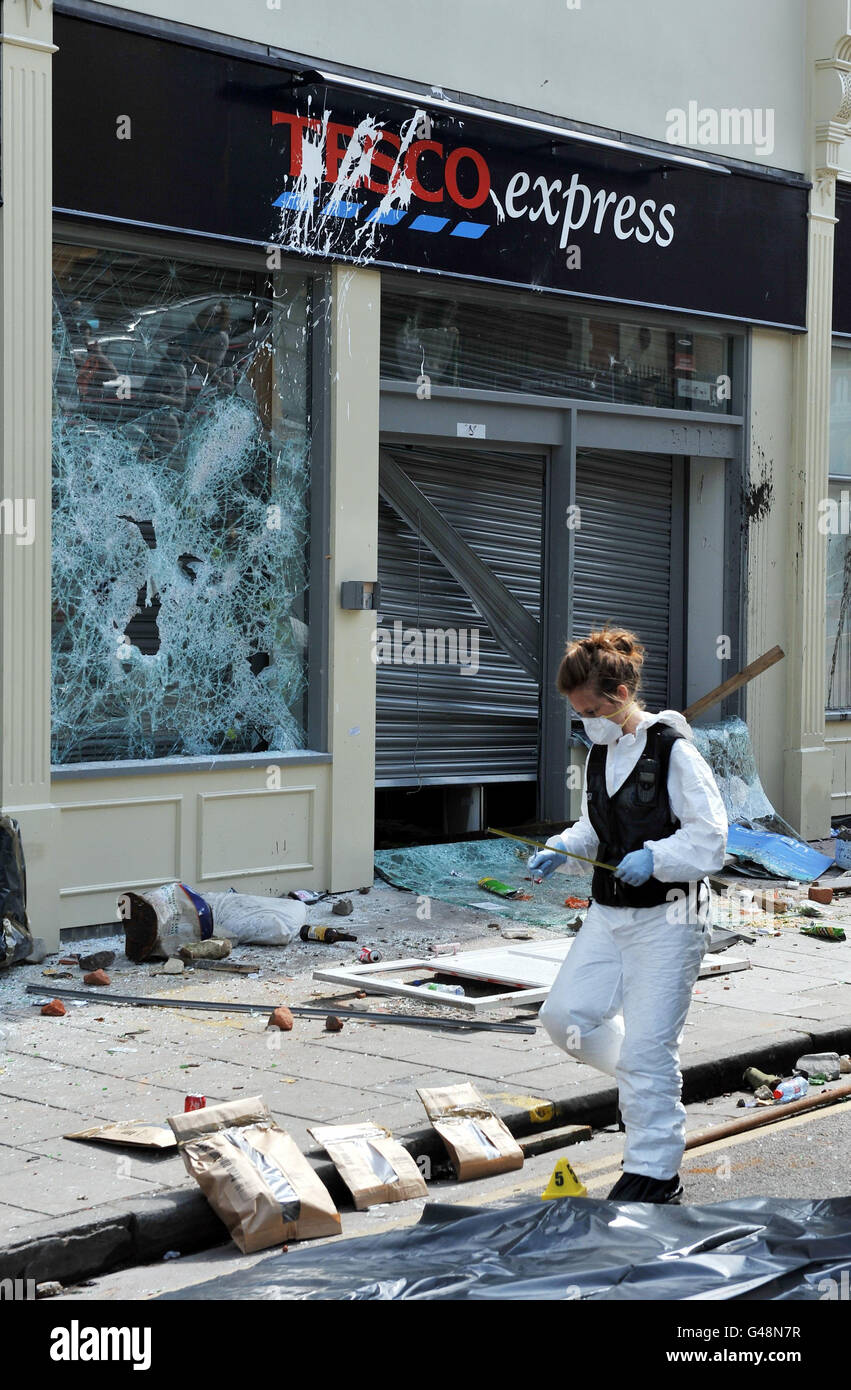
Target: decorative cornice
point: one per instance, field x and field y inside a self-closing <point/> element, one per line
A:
<point x="832" y="99"/>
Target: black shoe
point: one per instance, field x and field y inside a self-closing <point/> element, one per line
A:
<point x="621" y="1125"/>
<point x="637" y="1187"/>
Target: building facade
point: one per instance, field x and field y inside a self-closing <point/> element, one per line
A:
<point x="350" y="366"/>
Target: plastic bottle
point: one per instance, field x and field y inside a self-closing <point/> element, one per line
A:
<point x="792" y="1089"/>
<point x="824" y="1064"/>
<point x="440" y="989"/>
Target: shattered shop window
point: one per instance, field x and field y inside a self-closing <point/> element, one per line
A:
<point x="181" y="501"/>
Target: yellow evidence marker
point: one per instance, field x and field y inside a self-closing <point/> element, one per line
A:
<point x="563" y="1183"/>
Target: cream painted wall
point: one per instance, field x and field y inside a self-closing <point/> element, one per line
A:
<point x="838" y="741"/>
<point x="769" y="567"/>
<point x="233" y="827"/>
<point x="622" y="64"/>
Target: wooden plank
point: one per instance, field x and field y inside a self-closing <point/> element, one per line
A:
<point x="747" y="673"/>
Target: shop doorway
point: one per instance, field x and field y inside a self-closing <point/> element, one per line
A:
<point x="458" y="647"/>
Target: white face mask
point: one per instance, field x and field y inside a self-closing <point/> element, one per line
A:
<point x="602" y="730"/>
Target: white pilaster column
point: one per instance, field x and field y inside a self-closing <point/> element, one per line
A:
<point x="808" y="762"/>
<point x="26" y="50"/>
<point x="355" y="351"/>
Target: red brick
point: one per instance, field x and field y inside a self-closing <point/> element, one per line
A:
<point x="281" y="1018"/>
<point x="55" y="1009"/>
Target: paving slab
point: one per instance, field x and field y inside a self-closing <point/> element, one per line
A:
<point x="54" y="1188"/>
<point x="24" y="1121"/>
<point x="13" y="1157"/>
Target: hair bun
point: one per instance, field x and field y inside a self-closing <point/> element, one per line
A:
<point x="608" y="656"/>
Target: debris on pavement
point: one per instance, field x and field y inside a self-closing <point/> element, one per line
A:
<point x="51" y="1287"/>
<point x="343" y="907"/>
<point x="754" y="1078"/>
<point x="769" y="900"/>
<point x="161" y="920"/>
<point x="451" y="873"/>
<point x="234" y="1006"/>
<point x="173" y="966"/>
<point x="780" y="855"/>
<point x="97" y="977"/>
<point x="281" y="1018"/>
<point x="214" y="948"/>
<point x="793" y="1088"/>
<point x="500" y="889"/>
<point x="726" y="746"/>
<point x="819" y="893"/>
<point x="824" y="932"/>
<point x="132" y="1134"/>
<point x="478" y="1142"/>
<point x="224" y="967"/>
<point x="99" y="960"/>
<point x="826" y="1065"/>
<point x="374" y="1166"/>
<point x="329" y="935"/>
<point x="333" y="1024"/>
<point x="55" y="1009"/>
<point x="254" y="1175"/>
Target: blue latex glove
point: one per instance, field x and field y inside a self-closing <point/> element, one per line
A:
<point x="636" y="868"/>
<point x="546" y="861"/>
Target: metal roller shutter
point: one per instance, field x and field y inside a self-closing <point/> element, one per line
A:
<point x="435" y="724"/>
<point x="623" y="555"/>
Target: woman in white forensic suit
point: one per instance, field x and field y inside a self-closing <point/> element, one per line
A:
<point x="651" y="808"/>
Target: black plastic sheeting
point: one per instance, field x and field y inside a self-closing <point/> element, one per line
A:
<point x="758" y="1248"/>
<point x="15" y="937"/>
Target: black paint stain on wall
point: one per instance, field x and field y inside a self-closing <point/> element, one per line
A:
<point x="758" y="493"/>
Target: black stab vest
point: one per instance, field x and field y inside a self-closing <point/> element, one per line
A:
<point x="639" y="810"/>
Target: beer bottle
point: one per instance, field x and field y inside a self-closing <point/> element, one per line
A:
<point x="327" y="934"/>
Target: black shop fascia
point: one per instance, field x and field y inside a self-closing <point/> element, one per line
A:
<point x="250" y="149"/>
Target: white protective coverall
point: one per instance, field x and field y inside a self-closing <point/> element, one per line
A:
<point x="621" y="997"/>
